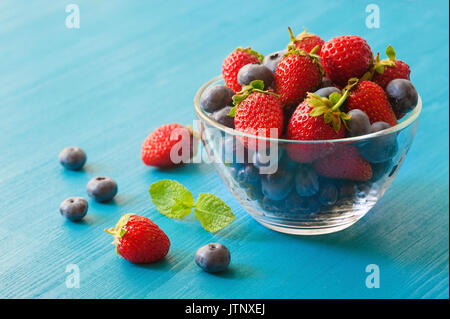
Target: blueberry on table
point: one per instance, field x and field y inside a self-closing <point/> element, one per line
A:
<point x="72" y="158"/>
<point x="213" y="258"/>
<point x="381" y="148"/>
<point x="74" y="208"/>
<point x="101" y="188"/>
<point x="359" y="123"/>
<point x="278" y="185"/>
<point x="402" y="95"/>
<point x="328" y="194"/>
<point x="216" y="97"/>
<point x="306" y="181"/>
<point x="271" y="60"/>
<point x="221" y="116"/>
<point x="254" y="71"/>
<point x="326" y="91"/>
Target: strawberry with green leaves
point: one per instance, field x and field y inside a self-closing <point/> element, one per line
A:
<point x="344" y="162"/>
<point x="306" y="41"/>
<point x="297" y="73"/>
<point x="234" y="62"/>
<point x="257" y="112"/>
<point x="370" y="98"/>
<point x="387" y="70"/>
<point x="317" y="118"/>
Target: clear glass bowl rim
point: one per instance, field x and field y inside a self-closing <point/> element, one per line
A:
<point x="411" y="118"/>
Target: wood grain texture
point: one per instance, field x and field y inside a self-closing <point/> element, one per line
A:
<point x="134" y="65"/>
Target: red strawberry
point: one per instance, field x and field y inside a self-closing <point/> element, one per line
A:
<point x="371" y="98"/>
<point x="314" y="119"/>
<point x="257" y="112"/>
<point x="306" y="41"/>
<point x="390" y="69"/>
<point x="296" y="74"/>
<point x="157" y="147"/>
<point x="345" y="57"/>
<point x="139" y="240"/>
<point x="234" y="62"/>
<point x="346" y="163"/>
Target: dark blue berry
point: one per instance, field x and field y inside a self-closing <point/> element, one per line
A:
<point x="216" y="97"/>
<point x="382" y="148"/>
<point x="359" y="123"/>
<point x="402" y="95"/>
<point x="271" y="60"/>
<point x="326" y="82"/>
<point x="233" y="151"/>
<point x="363" y="189"/>
<point x="74" y="208"/>
<point x="306" y="181"/>
<point x="213" y="258"/>
<point x="328" y="194"/>
<point x="102" y="189"/>
<point x="254" y="71"/>
<point x="272" y="205"/>
<point x="347" y="189"/>
<point x="248" y="175"/>
<point x="72" y="158"/>
<point x="326" y="91"/>
<point x="380" y="169"/>
<point x="221" y="116"/>
<point x="267" y="161"/>
<point x="254" y="192"/>
<point x="278" y="185"/>
<point x="296" y="203"/>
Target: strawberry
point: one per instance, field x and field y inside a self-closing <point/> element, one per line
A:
<point x="257" y="112"/>
<point x="234" y="62"/>
<point x="346" y="163"/>
<point x="157" y="147"/>
<point x="306" y="41"/>
<point x="390" y="69"/>
<point x="371" y="98"/>
<point x="316" y="118"/>
<point x="297" y="73"/>
<point x="345" y="57"/>
<point x="139" y="240"/>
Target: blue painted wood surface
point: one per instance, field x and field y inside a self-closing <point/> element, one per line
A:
<point x="134" y="65"/>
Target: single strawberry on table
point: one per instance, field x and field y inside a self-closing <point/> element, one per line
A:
<point x="297" y="73"/>
<point x="316" y="118"/>
<point x="234" y="62"/>
<point x="157" y="147"/>
<point x="257" y="112"/>
<point x="306" y="41"/>
<point x="345" y="57"/>
<point x="371" y="98"/>
<point x="139" y="240"/>
<point x="345" y="162"/>
<point x="387" y="70"/>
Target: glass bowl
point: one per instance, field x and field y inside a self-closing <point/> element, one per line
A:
<point x="289" y="196"/>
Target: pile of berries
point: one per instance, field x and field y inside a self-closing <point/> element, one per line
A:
<point x="313" y="90"/>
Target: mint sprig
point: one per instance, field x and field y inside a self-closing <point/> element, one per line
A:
<point x="174" y="201"/>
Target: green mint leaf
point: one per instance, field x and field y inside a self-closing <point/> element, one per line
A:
<point x="171" y="198"/>
<point x="212" y="212"/>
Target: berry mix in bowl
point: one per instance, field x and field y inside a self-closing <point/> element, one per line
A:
<point x="310" y="137"/>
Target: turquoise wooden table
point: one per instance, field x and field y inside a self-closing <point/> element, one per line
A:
<point x="134" y="65"/>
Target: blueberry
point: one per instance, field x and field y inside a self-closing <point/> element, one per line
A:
<point x="221" y="116"/>
<point x="233" y="151"/>
<point x="254" y="192"/>
<point x="272" y="205"/>
<point x="326" y="82"/>
<point x="267" y="160"/>
<point x="402" y="95"/>
<point x="382" y="148"/>
<point x="213" y="258"/>
<point x="359" y="123"/>
<point x="326" y="91"/>
<point x="271" y="60"/>
<point x="216" y="97"/>
<point x="363" y="189"/>
<point x="254" y="71"/>
<point x="328" y="194"/>
<point x="74" y="208"/>
<point x="102" y="189"/>
<point x="347" y="189"/>
<point x="296" y="203"/>
<point x="306" y="181"/>
<point x="278" y="185"/>
<point x="72" y="158"/>
<point x="248" y="175"/>
<point x="380" y="169"/>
